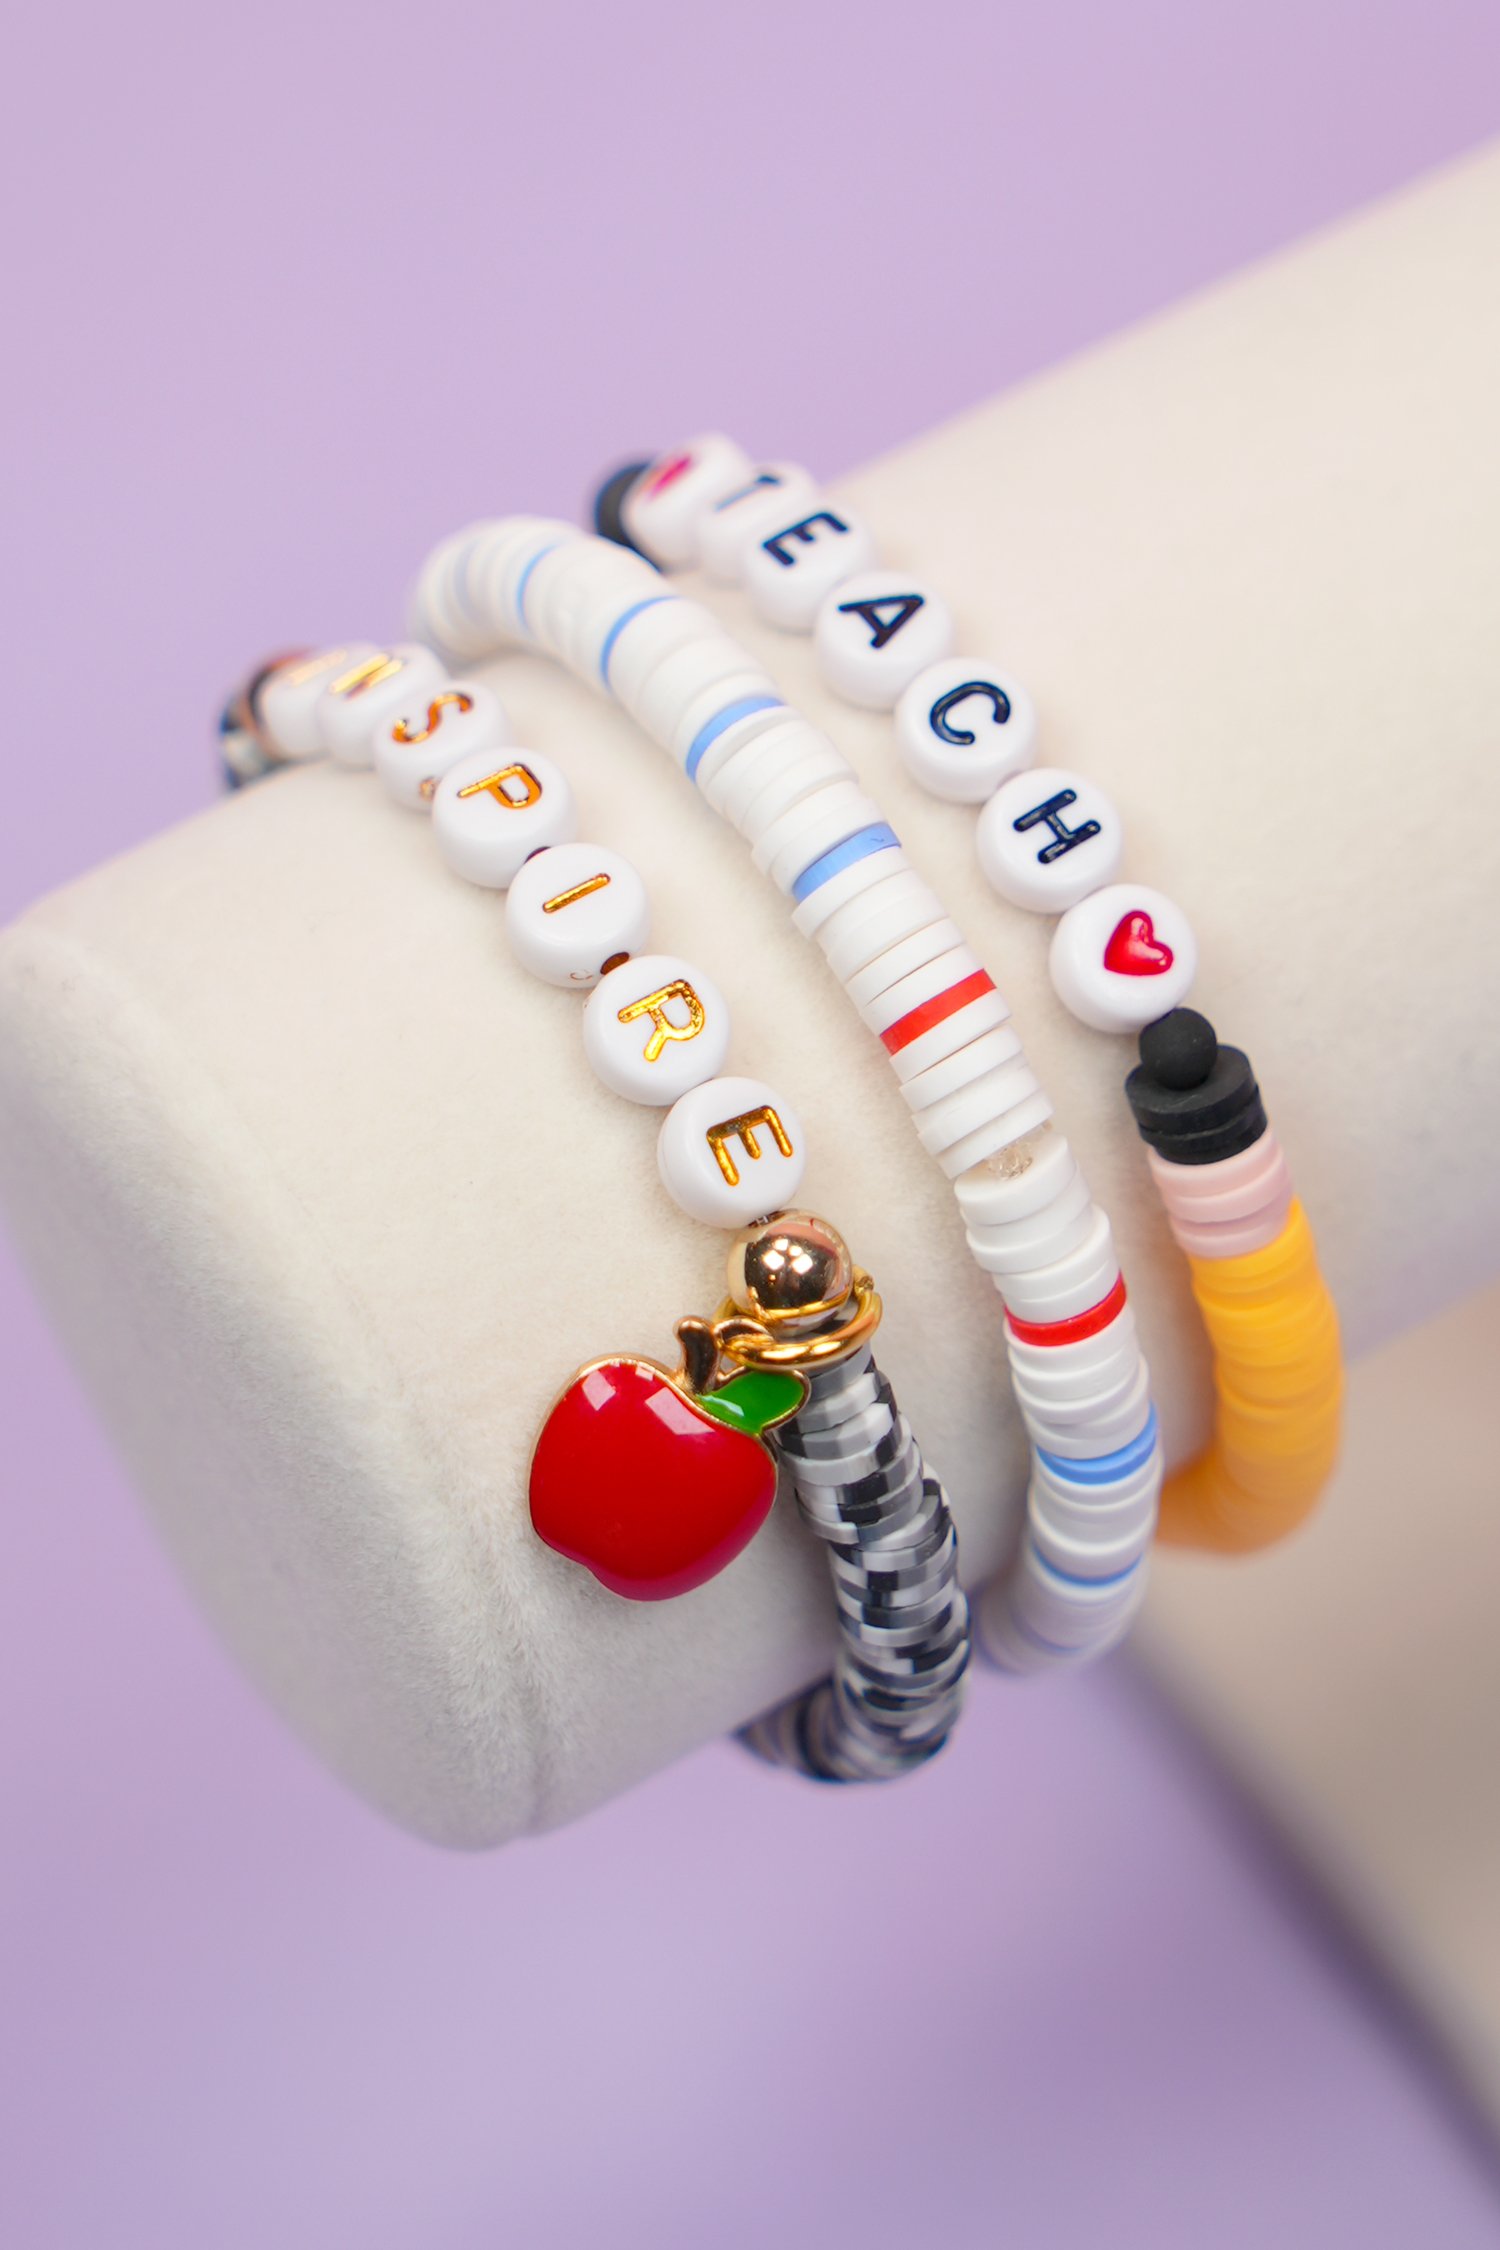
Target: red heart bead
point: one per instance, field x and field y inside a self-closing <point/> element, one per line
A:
<point x="1134" y="949"/>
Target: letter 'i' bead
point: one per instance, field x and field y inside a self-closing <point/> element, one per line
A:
<point x="962" y="728"/>
<point x="358" y="701"/>
<point x="664" y="508"/>
<point x="876" y="632"/>
<point x="495" y="808"/>
<point x="730" y="1152"/>
<point x="1047" y="838"/>
<point x="414" y="750"/>
<point x="654" y="1028"/>
<point x="286" y="701"/>
<point x="1122" y="956"/>
<point x="575" y="911"/>
<point x="790" y="571"/>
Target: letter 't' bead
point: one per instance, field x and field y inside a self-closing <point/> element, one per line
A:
<point x="732" y="525"/>
<point x="414" y="750"/>
<point x="664" y="509"/>
<point x="876" y="632"/>
<point x="730" y="1151"/>
<point x="574" y="911"/>
<point x="962" y="728"/>
<point x="1122" y="957"/>
<point x="790" y="572"/>
<point x="495" y="808"/>
<point x="654" y="1028"/>
<point x="1047" y="838"/>
<point x="357" y="702"/>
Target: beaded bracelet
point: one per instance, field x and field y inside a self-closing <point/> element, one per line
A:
<point x="655" y="1479"/>
<point x="1122" y="958"/>
<point x="978" y="1108"/>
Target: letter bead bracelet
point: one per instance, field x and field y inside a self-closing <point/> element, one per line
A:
<point x="654" y="1478"/>
<point x="1122" y="958"/>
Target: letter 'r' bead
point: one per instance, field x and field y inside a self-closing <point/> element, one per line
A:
<point x="731" y="1151"/>
<point x="654" y="1028"/>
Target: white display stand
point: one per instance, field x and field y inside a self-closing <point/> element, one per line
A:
<point x="325" y="1202"/>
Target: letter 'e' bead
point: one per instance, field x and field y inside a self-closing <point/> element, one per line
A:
<point x="796" y="565"/>
<point x="574" y="911"/>
<point x="414" y="750"/>
<point x="1047" y="838"/>
<point x="495" y="808"/>
<point x="654" y="1028"/>
<point x="876" y="632"/>
<point x="730" y="1152"/>
<point x="1122" y="957"/>
<point x="962" y="728"/>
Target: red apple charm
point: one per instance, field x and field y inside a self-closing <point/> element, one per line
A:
<point x="655" y="1481"/>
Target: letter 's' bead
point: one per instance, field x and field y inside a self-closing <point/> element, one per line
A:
<point x="415" y="749"/>
<point x="1047" y="838"/>
<point x="573" y="911"/>
<point x="655" y="1027"/>
<point x="731" y="1151"/>
<point x="876" y="632"/>
<point x="1122" y="956"/>
<point x="794" y="566"/>
<point x="495" y="808"/>
<point x="664" y="509"/>
<point x="963" y="727"/>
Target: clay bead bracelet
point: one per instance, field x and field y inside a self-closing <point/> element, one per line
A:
<point x="976" y="1105"/>
<point x="1123" y="958"/>
<point x="655" y="1479"/>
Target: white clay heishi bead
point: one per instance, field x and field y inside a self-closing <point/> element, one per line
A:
<point x="707" y="717"/>
<point x="963" y="727"/>
<point x="965" y="1064"/>
<point x="791" y="570"/>
<point x="710" y="660"/>
<point x="900" y="960"/>
<point x="492" y="810"/>
<point x="877" y="919"/>
<point x="574" y="585"/>
<point x="435" y="614"/>
<point x="736" y="743"/>
<point x="1026" y="1180"/>
<point x="955" y="1116"/>
<point x="512" y="562"/>
<point x="664" y="509"/>
<point x="1095" y="1358"/>
<point x="1072" y="1285"/>
<point x="731" y="1151"/>
<point x="575" y="911"/>
<point x="1122" y="957"/>
<point x="930" y="1035"/>
<point x="860" y="873"/>
<point x="357" y="702"/>
<point x="1047" y="838"/>
<point x="1089" y="1436"/>
<point x="876" y="632"/>
<point x="1049" y="1234"/>
<point x="733" y="524"/>
<point x="1009" y="1124"/>
<point x="654" y="1028"/>
<point x="415" y="749"/>
<point x="782" y="746"/>
<point x="805" y="761"/>
<point x="644" y="635"/>
<point x="287" y="703"/>
<point x="958" y="969"/>
<point x="804" y="836"/>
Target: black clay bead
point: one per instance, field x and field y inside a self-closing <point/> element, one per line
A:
<point x="1199" y="1124"/>
<point x="1179" y="1049"/>
<point x="609" y="502"/>
<point x="1211" y="1147"/>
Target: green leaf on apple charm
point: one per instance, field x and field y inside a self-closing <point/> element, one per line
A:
<point x="755" y="1399"/>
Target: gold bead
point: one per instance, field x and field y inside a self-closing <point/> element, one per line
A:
<point x="792" y="1267"/>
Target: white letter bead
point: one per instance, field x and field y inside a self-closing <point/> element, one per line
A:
<point x="664" y="509"/>
<point x="357" y="702"/>
<point x="1047" y="838"/>
<point x="493" y="809"/>
<point x="790" y="571"/>
<point x="962" y="728"/>
<point x="876" y="632"/>
<point x="1122" y="957"/>
<point x="414" y="750"/>
<point x="731" y="1151"/>
<point x="574" y="911"/>
<point x="287" y="703"/>
<point x="732" y="525"/>
<point x="654" y="1028"/>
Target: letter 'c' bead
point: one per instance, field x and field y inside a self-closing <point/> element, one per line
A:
<point x="962" y="728"/>
<point x="495" y="808"/>
<point x="574" y="910"/>
<point x="731" y="1151"/>
<point x="654" y="1028"/>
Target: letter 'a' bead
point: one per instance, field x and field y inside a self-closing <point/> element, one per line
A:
<point x="876" y="632"/>
<point x="357" y="702"/>
<point x="1047" y="838"/>
<point x="1122" y="957"/>
<point x="814" y="548"/>
<point x="575" y="910"/>
<point x="654" y="1028"/>
<point x="414" y="750"/>
<point x="731" y="1151"/>
<point x="664" y="509"/>
<point x="495" y="808"/>
<point x="962" y="728"/>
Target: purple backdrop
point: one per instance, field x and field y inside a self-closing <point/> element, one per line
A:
<point x="296" y="290"/>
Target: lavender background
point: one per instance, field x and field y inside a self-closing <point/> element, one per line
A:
<point x="294" y="290"/>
